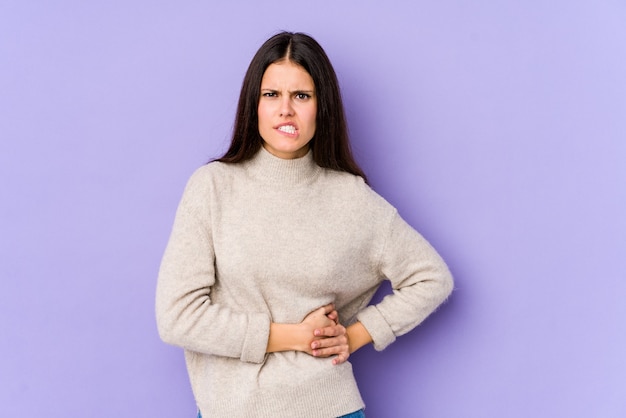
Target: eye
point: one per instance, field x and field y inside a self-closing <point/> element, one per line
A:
<point x="303" y="96"/>
<point x="269" y="94"/>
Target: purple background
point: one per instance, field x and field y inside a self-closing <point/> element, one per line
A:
<point x="498" y="129"/>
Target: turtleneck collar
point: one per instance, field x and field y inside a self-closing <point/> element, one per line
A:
<point x="267" y="167"/>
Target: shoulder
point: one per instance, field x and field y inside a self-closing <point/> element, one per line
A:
<point x="209" y="171"/>
<point x="212" y="174"/>
<point x="354" y="191"/>
<point x="205" y="181"/>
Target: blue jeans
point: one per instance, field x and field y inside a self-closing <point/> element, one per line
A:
<point x="356" y="414"/>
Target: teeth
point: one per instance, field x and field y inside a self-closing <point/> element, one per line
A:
<point x="287" y="129"/>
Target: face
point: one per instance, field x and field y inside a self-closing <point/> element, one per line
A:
<point x="287" y="110"/>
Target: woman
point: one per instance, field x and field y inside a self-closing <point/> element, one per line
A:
<point x="276" y="237"/>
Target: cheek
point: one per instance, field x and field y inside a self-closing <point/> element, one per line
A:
<point x="262" y="115"/>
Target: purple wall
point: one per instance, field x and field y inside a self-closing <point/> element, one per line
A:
<point x="498" y="129"/>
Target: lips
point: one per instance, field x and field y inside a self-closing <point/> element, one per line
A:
<point x="287" y="128"/>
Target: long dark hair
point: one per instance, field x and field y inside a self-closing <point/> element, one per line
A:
<point x="330" y="144"/>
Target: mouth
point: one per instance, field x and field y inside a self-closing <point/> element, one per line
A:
<point x="287" y="129"/>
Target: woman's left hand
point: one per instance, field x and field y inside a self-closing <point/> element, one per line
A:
<point x="332" y="340"/>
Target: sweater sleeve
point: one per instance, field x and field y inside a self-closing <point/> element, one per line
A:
<point x="186" y="315"/>
<point x="420" y="280"/>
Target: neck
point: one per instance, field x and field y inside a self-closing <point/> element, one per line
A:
<point x="269" y="168"/>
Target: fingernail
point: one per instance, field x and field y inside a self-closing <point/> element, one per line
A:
<point x="316" y="332"/>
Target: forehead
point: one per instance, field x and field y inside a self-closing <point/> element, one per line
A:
<point x="288" y="74"/>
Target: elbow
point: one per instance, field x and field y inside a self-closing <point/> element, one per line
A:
<point x="171" y="332"/>
<point x="168" y="325"/>
<point x="170" y="318"/>
<point x="167" y="330"/>
<point x="440" y="284"/>
<point x="446" y="283"/>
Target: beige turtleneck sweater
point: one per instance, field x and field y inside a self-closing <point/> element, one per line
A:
<point x="271" y="240"/>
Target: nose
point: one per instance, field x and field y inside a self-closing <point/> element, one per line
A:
<point x="286" y="107"/>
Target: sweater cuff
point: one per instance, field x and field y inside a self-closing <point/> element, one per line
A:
<point x="380" y="331"/>
<point x="257" y="335"/>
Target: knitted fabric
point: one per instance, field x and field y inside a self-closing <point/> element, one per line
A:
<point x="271" y="240"/>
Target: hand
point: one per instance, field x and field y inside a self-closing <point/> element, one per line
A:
<point x="298" y="337"/>
<point x="331" y="340"/>
<point x="320" y="318"/>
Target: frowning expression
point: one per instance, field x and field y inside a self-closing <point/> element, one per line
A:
<point x="287" y="110"/>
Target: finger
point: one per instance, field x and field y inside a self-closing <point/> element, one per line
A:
<point x="330" y="351"/>
<point x="334" y="316"/>
<point x="327" y="309"/>
<point x="332" y="331"/>
<point x="322" y="343"/>
<point x="328" y="329"/>
<point x="329" y="342"/>
<point x="341" y="358"/>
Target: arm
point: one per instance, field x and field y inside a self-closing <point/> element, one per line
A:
<point x="197" y="307"/>
<point x="187" y="315"/>
<point x="358" y="336"/>
<point x="420" y="280"/>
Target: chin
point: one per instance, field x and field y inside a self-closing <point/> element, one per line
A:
<point x="287" y="152"/>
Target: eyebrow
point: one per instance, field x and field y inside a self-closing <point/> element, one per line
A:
<point x="290" y="92"/>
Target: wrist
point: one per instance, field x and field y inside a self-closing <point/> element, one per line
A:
<point x="358" y="336"/>
<point x="288" y="337"/>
